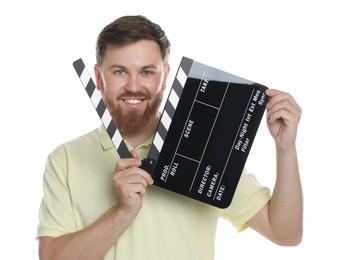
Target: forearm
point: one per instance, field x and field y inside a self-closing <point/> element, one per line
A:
<point x="286" y="206"/>
<point x="90" y="243"/>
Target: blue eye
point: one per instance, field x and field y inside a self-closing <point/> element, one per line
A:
<point x="119" y="72"/>
<point x="147" y="72"/>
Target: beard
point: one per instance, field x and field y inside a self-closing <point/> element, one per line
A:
<point x="132" y="121"/>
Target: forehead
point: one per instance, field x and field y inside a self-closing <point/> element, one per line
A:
<point x="136" y="53"/>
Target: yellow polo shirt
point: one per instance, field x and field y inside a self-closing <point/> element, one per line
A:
<point x="78" y="190"/>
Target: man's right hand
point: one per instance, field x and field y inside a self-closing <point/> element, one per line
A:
<point x="130" y="183"/>
<point x="93" y="241"/>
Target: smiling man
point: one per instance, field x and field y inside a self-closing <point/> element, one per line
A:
<point x="95" y="204"/>
<point x="132" y="79"/>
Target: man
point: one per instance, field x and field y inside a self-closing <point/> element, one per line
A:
<point x="95" y="204"/>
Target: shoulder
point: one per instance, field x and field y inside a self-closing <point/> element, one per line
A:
<point x="77" y="145"/>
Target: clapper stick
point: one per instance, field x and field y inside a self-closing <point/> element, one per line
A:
<point x="148" y="164"/>
<point x="101" y="109"/>
<point x="169" y="108"/>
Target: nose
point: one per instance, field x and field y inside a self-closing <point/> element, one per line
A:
<point x="133" y="84"/>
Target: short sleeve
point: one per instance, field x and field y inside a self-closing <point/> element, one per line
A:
<point x="250" y="196"/>
<point x="56" y="215"/>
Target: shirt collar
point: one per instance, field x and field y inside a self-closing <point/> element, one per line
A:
<point x="105" y="140"/>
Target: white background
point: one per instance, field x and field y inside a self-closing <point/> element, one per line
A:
<point x="289" y="45"/>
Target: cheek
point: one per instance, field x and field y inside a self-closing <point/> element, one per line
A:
<point x="154" y="86"/>
<point x="113" y="88"/>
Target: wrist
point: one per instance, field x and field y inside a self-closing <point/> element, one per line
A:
<point x="286" y="154"/>
<point x="126" y="213"/>
<point x="285" y="146"/>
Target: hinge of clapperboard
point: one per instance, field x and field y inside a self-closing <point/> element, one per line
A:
<point x="148" y="164"/>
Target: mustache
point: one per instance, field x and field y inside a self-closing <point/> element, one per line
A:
<point x="138" y="94"/>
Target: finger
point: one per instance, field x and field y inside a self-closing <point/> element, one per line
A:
<point x="133" y="174"/>
<point x="147" y="175"/>
<point x="283" y="105"/>
<point x="126" y="163"/>
<point x="277" y="96"/>
<point x="138" y="188"/>
<point x="134" y="154"/>
<point x="279" y="114"/>
<point x="285" y="115"/>
<point x="133" y="178"/>
<point x="131" y="192"/>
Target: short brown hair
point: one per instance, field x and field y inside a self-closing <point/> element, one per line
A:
<point x="128" y="29"/>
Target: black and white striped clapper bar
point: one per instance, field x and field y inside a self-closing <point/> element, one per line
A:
<point x="101" y="109"/>
<point x="204" y="135"/>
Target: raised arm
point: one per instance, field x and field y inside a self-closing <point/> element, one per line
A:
<point x="281" y="220"/>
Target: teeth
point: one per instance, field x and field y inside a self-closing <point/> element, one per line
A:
<point x="133" y="101"/>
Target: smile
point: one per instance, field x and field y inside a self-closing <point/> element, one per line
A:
<point x="133" y="101"/>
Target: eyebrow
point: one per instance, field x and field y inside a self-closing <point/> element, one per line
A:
<point x="149" y="66"/>
<point x="117" y="66"/>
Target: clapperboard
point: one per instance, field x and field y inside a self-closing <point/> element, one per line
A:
<point x="205" y="134"/>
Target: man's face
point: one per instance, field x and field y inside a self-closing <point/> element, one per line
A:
<point x="132" y="81"/>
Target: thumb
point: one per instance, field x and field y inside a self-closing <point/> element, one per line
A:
<point x="134" y="154"/>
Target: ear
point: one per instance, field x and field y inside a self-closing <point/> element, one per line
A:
<point x="167" y="70"/>
<point x="98" y="78"/>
